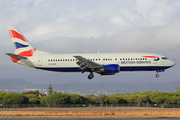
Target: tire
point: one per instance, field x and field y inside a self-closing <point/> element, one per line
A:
<point x="90" y="76"/>
<point x="157" y="75"/>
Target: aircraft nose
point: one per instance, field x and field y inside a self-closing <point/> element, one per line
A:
<point x="172" y="63"/>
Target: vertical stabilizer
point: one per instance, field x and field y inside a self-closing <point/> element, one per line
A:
<point x="21" y="45"/>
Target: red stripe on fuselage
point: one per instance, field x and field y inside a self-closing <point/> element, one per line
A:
<point x="150" y="56"/>
<point x="14" y="34"/>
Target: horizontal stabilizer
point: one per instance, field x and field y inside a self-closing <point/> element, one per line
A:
<point x="15" y="56"/>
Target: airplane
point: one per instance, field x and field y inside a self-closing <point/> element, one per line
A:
<point x="101" y="63"/>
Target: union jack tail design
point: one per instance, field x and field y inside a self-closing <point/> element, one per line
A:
<point x="21" y="45"/>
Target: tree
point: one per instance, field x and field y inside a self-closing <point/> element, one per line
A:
<point x="159" y="100"/>
<point x="158" y="97"/>
<point x="138" y="100"/>
<point x="76" y="99"/>
<point x="44" y="100"/>
<point x="100" y="99"/>
<point x="33" y="99"/>
<point x="91" y="98"/>
<point x="36" y="92"/>
<point x="145" y="99"/>
<point x="113" y="100"/>
<point x="132" y="99"/>
<point x="58" y="98"/>
<point x="1" y="96"/>
<point x="50" y="90"/>
<point x="14" y="98"/>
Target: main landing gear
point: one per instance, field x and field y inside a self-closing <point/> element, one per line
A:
<point x="90" y="76"/>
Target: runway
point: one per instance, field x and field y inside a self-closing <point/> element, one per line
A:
<point x="89" y="118"/>
<point x="90" y="113"/>
<point x="92" y="109"/>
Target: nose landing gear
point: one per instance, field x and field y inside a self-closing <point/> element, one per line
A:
<point x="90" y="76"/>
<point x="157" y="75"/>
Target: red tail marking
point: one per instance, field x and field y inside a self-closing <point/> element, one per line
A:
<point x="14" y="34"/>
<point x="14" y="59"/>
<point x="25" y="54"/>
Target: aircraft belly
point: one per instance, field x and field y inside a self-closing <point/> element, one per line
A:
<point x="142" y="68"/>
<point x="61" y="69"/>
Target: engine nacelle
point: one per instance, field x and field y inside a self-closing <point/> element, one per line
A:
<point x="110" y="69"/>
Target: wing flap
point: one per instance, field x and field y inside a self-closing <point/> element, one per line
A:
<point x="86" y="63"/>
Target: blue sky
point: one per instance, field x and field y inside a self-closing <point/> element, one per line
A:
<point x="88" y="26"/>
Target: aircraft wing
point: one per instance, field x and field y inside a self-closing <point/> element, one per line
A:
<point x="15" y="56"/>
<point x="87" y="64"/>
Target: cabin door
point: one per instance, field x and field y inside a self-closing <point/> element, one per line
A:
<point x="155" y="61"/>
<point x="39" y="61"/>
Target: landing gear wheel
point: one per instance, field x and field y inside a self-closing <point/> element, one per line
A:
<point x="157" y="75"/>
<point x="90" y="76"/>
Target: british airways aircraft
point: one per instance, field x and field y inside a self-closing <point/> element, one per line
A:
<point x="101" y="63"/>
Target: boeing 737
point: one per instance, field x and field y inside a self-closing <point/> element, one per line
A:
<point x="101" y="63"/>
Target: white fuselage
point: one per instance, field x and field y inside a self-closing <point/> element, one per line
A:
<point x="126" y="61"/>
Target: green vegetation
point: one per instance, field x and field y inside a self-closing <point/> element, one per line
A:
<point x="14" y="98"/>
<point x="50" y="90"/>
<point x="145" y="98"/>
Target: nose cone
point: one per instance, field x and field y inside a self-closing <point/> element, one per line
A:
<point x="171" y="63"/>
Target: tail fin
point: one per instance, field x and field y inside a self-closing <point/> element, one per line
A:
<point x="21" y="45"/>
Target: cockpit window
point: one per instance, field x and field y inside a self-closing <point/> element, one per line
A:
<point x="164" y="58"/>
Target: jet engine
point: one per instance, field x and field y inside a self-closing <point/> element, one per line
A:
<point x="109" y="69"/>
